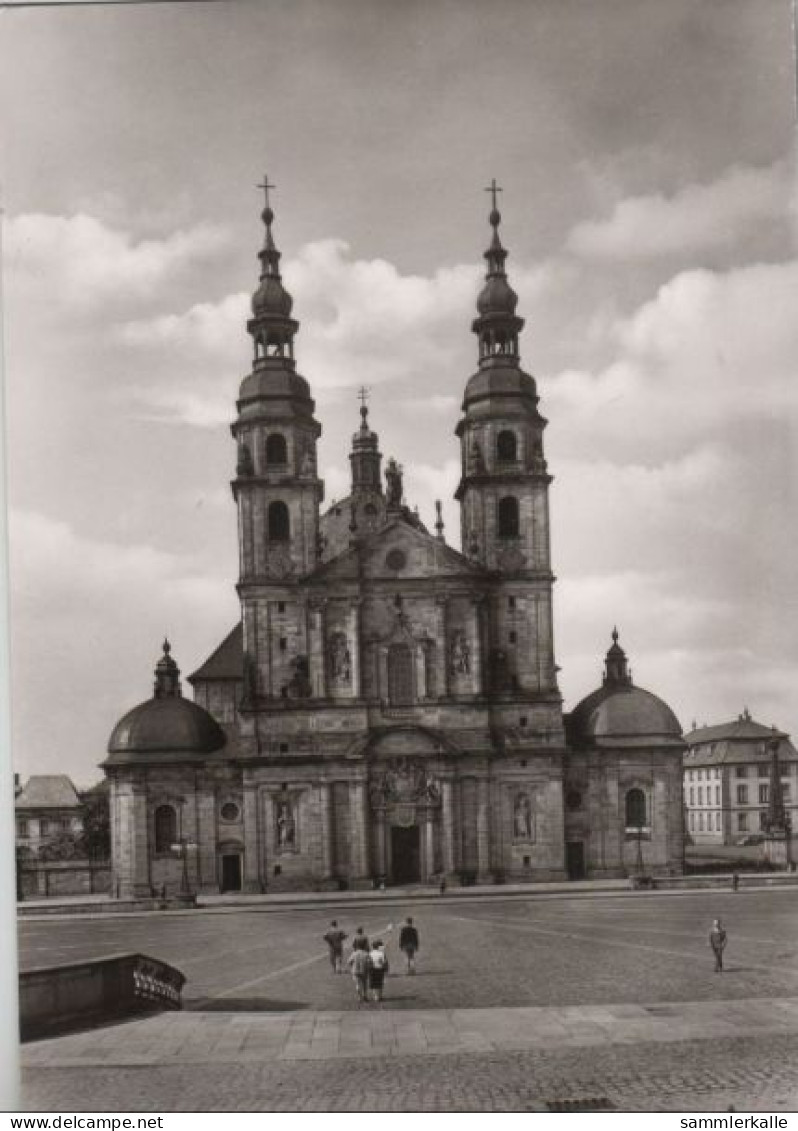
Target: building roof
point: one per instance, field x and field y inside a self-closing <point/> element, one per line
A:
<point x="48" y="791"/>
<point x="623" y="712"/>
<point x="739" y="741"/>
<point x="165" y="726"/>
<point x="743" y="728"/>
<point x="227" y="661"/>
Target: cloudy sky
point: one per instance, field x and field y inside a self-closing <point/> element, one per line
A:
<point x="647" y="156"/>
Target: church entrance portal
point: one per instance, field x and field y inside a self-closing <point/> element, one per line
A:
<point x="405" y="854"/>
<point x="231" y="872"/>
<point x="575" y="859"/>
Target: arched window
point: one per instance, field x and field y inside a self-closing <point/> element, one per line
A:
<point x="506" y="447"/>
<point x="276" y="450"/>
<point x="279" y="522"/>
<point x="636" y="809"/>
<point x="400" y="676"/>
<point x="508" y="517"/>
<point x="165" y="828"/>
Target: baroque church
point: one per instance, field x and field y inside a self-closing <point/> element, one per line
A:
<point x="387" y="709"/>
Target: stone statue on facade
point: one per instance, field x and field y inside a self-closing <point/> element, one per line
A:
<point x="393" y="481"/>
<point x="522" y="817"/>
<point x="340" y="659"/>
<point x="286" y="826"/>
<point x="460" y="655"/>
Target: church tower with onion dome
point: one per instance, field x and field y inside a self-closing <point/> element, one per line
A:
<point x="504" y="486"/>
<point x="276" y="488"/>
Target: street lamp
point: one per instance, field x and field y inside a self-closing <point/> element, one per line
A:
<point x="181" y="848"/>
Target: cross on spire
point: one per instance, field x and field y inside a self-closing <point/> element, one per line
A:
<point x="266" y="186"/>
<point x="363" y="395"/>
<point x="493" y="188"/>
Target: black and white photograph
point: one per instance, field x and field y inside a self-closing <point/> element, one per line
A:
<point x="401" y="455"/>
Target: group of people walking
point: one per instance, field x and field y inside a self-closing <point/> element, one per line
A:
<point x="368" y="961"/>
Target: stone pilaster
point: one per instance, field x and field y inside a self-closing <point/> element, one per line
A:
<point x="359" y="821"/>
<point x="252" y="868"/>
<point x="483" y="831"/>
<point x="327" y="847"/>
<point x="205" y="839"/>
<point x="447" y="826"/>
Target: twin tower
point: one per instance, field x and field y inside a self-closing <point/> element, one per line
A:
<point x="285" y="537"/>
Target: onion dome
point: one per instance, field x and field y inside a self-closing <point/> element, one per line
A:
<point x="618" y="713"/>
<point x="167" y="726"/>
<point x="273" y="387"/>
<point x="271" y="297"/>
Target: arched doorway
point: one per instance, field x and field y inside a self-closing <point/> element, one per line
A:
<point x="405" y="854"/>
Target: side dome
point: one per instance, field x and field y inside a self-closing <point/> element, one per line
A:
<point x="620" y="711"/>
<point x="165" y="724"/>
<point x="623" y="712"/>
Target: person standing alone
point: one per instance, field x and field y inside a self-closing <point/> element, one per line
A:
<point x="717" y="940"/>
<point x="408" y="942"/>
<point x="335" y="941"/>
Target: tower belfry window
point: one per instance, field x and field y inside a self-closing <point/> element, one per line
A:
<point x="506" y="447"/>
<point x="279" y="522"/>
<point x="508" y="517"/>
<point x="276" y="449"/>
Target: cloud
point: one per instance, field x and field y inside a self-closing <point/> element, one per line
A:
<point x="81" y="265"/>
<point x="362" y="322"/>
<point x="75" y="616"/>
<point x="711" y="351"/>
<point x="700" y="217"/>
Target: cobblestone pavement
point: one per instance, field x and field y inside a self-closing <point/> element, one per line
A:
<point x="268" y="1026"/>
<point x="558" y="952"/>
<point x="753" y="1074"/>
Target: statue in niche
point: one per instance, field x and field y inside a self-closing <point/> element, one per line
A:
<point x="340" y="659"/>
<point x="461" y="655"/>
<point x="477" y="458"/>
<point x="522" y="817"/>
<point x="298" y="686"/>
<point x="286" y="826"/>
<point x="393" y="480"/>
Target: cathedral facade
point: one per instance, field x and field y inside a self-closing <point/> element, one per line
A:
<point x="387" y="709"/>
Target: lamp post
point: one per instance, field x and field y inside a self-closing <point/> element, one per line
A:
<point x="182" y="848"/>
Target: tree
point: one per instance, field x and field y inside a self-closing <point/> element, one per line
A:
<point x="96" y="836"/>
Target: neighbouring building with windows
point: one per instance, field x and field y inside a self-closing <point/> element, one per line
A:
<point x="46" y="808"/>
<point x="727" y="780"/>
<point x="387" y="709"/>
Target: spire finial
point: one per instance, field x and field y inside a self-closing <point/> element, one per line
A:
<point x="495" y="215"/>
<point x="438" y="520"/>
<point x="167" y="647"/>
<point x="615" y="634"/>
<point x="266" y="186"/>
<point x="363" y="396"/>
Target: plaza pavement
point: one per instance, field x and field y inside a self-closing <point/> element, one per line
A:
<point x="609" y="1001"/>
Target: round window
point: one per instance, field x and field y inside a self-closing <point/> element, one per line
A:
<point x="573" y="799"/>
<point x="396" y="559"/>
<point x="230" y="811"/>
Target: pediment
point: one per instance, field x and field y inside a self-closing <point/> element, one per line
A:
<point x="398" y="551"/>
